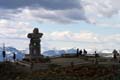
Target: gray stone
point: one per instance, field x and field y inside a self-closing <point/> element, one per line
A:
<point x="35" y="46"/>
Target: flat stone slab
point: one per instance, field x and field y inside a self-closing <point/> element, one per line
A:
<point x="40" y="66"/>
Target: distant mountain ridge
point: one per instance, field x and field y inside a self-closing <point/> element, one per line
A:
<point x="20" y="54"/>
<point x="9" y="53"/>
<point x="55" y="52"/>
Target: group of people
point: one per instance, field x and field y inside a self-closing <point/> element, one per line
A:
<point x="81" y="52"/>
<point x="4" y="56"/>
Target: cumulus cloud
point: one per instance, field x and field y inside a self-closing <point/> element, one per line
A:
<point x="83" y="39"/>
<point x="60" y="16"/>
<point x="14" y="29"/>
<point x="96" y="10"/>
<point x="59" y="11"/>
<point x="83" y="36"/>
<point x="44" y="15"/>
<point x="70" y="36"/>
<point x="14" y="33"/>
<point x="16" y="15"/>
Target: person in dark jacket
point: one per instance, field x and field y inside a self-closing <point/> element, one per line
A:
<point x="84" y="52"/>
<point x="14" y="57"/>
<point x="77" y="52"/>
<point x="80" y="53"/>
<point x="115" y="54"/>
<point x="4" y="54"/>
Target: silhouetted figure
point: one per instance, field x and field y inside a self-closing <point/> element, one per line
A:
<point x="77" y="52"/>
<point x="14" y="57"/>
<point x="115" y="53"/>
<point x="80" y="52"/>
<point x="84" y="52"/>
<point x="4" y="55"/>
<point x="4" y="52"/>
<point x="96" y="56"/>
<point x="34" y="46"/>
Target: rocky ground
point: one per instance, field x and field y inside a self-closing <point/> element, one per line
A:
<point x="15" y="71"/>
<point x="80" y="72"/>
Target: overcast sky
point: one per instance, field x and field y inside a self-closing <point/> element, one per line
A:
<point x="65" y="23"/>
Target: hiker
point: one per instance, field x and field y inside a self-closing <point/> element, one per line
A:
<point x="115" y="54"/>
<point x="77" y="52"/>
<point x="84" y="52"/>
<point x="80" y="53"/>
<point x="4" y="55"/>
<point x="14" y="57"/>
<point x="96" y="56"/>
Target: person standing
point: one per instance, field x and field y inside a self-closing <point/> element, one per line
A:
<point x="80" y="53"/>
<point x="84" y="52"/>
<point x="77" y="52"/>
<point x="96" y="57"/>
<point x="115" y="53"/>
<point x="14" y="56"/>
<point x="4" y="52"/>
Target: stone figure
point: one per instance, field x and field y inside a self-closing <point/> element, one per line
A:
<point x="34" y="46"/>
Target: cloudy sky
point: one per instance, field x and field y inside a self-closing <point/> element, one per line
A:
<point x="65" y="23"/>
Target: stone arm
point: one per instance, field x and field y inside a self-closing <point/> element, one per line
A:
<point x="29" y="35"/>
<point x="40" y="35"/>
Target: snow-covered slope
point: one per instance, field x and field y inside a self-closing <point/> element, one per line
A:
<point x="9" y="53"/>
<point x="54" y="52"/>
